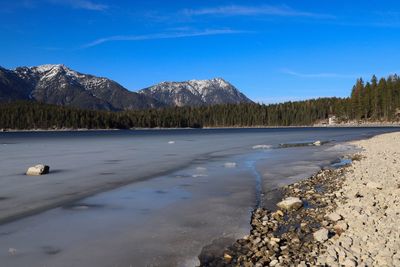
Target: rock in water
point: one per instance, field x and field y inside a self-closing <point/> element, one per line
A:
<point x="227" y="257"/>
<point x="290" y="203"/>
<point x="317" y="143"/>
<point x="12" y="251"/>
<point x="39" y="169"/>
<point x="321" y="235"/>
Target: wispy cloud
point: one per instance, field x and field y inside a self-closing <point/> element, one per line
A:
<point x="320" y="75"/>
<point x="236" y="10"/>
<point x="81" y="4"/>
<point x="165" y="35"/>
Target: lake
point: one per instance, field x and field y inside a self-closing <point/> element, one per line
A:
<point x="148" y="197"/>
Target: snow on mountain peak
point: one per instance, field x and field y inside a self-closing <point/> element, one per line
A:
<point x="48" y="71"/>
<point x="48" y="67"/>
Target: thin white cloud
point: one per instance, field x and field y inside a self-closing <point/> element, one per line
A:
<point x="236" y="10"/>
<point x="319" y="75"/>
<point x="81" y="4"/>
<point x="156" y="36"/>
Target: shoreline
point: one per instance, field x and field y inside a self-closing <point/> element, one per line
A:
<point x="205" y="128"/>
<point x="281" y="237"/>
<point x="343" y="219"/>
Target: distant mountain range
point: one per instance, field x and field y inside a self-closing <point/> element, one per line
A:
<point x="196" y="93"/>
<point x="59" y="85"/>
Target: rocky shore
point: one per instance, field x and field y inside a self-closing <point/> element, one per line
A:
<point x="338" y="217"/>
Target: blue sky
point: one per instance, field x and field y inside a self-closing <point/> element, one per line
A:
<point x="271" y="50"/>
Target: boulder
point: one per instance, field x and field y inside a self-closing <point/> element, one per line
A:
<point x="290" y="203"/>
<point x="39" y="169"/>
<point x="321" y="235"/>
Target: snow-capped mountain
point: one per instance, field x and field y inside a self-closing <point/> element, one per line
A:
<point x="196" y="93"/>
<point x="60" y="85"/>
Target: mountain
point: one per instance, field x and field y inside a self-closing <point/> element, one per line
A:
<point x="12" y="87"/>
<point x="196" y="93"/>
<point x="59" y="85"/>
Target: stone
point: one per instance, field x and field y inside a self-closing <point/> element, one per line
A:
<point x="227" y="257"/>
<point x="349" y="263"/>
<point x="256" y="241"/>
<point x="273" y="262"/>
<point x="334" y="217"/>
<point x="12" y="251"/>
<point x="321" y="235"/>
<point x="331" y="261"/>
<point x="277" y="215"/>
<point x="317" y="143"/>
<point x="39" y="169"/>
<point x="340" y="226"/>
<point x="275" y="239"/>
<point x="331" y="252"/>
<point x="290" y="203"/>
<point x="374" y="185"/>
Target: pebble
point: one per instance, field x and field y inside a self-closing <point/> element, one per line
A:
<point x="334" y="217"/>
<point x="321" y="235"/>
<point x="273" y="262"/>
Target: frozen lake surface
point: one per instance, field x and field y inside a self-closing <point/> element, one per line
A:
<point x="147" y="198"/>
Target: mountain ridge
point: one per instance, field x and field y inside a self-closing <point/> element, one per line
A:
<point x="196" y="92"/>
<point x="57" y="84"/>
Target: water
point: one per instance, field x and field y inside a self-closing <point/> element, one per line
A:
<point x="176" y="191"/>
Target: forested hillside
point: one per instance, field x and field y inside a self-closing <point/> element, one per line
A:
<point x="374" y="101"/>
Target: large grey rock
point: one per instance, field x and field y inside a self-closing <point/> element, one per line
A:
<point x="290" y="203"/>
<point x="39" y="169"/>
<point x="321" y="235"/>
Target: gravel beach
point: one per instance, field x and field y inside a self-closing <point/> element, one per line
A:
<point x="371" y="209"/>
<point x="338" y="217"/>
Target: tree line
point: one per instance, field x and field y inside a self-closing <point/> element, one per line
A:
<point x="374" y="100"/>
